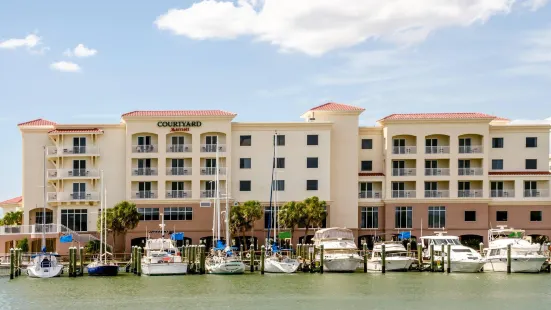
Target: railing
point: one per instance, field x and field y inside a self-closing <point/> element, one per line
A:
<point x="469" y="193"/>
<point x="437" y="171"/>
<point x="404" y="172"/>
<point x="210" y="194"/>
<point x="403" y="194"/>
<point x="149" y="148"/>
<point x="211" y="148"/>
<point x="404" y="150"/>
<point x="470" y="171"/>
<point x="144" y="195"/>
<point x="178" y="194"/>
<point x="369" y="195"/>
<point x="178" y="171"/>
<point x="473" y="149"/>
<point x="30" y="229"/>
<point x="509" y="193"/>
<point x="437" y="194"/>
<point x="212" y="170"/>
<point x="144" y="171"/>
<point x="535" y="193"/>
<point x="178" y="148"/>
<point x="437" y="149"/>
<point x="77" y="196"/>
<point x="72" y="173"/>
<point x="72" y="150"/>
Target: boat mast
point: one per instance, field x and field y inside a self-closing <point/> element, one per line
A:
<point x="227" y="210"/>
<point x="44" y="206"/>
<point x="274" y="212"/>
<point x="105" y="223"/>
<point x="216" y="187"/>
<point x="101" y="218"/>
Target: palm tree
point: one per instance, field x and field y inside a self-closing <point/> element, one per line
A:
<point x="12" y="218"/>
<point x="314" y="213"/>
<point x="120" y="219"/>
<point x="238" y="225"/>
<point x="291" y="215"/>
<point x="252" y="212"/>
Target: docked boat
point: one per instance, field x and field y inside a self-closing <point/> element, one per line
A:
<point x="162" y="256"/>
<point x="340" y="250"/>
<point x="463" y="259"/>
<point x="525" y="256"/>
<point x="396" y="257"/>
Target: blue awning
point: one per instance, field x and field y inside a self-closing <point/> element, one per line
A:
<point x="404" y="235"/>
<point x="177" y="236"/>
<point x="66" y="239"/>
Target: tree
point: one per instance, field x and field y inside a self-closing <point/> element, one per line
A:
<point x="123" y="217"/>
<point x="252" y="212"/>
<point x="23" y="245"/>
<point x="238" y="224"/>
<point x="12" y="218"/>
<point x="314" y="213"/>
<point x="291" y="215"/>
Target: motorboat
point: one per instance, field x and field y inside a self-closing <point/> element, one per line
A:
<point x="276" y="262"/>
<point x="526" y="257"/>
<point x="162" y="256"/>
<point x="44" y="265"/>
<point x="396" y="257"/>
<point x="463" y="259"/>
<point x="340" y="250"/>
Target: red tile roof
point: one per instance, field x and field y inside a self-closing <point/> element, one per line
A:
<point x="501" y="119"/>
<point x="422" y="116"/>
<point x="82" y="130"/>
<point x="12" y="201"/>
<point x="37" y="122"/>
<point x="332" y="106"/>
<point x="371" y="174"/>
<point x="519" y="173"/>
<point x="181" y="113"/>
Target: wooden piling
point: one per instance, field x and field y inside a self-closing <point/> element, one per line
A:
<point x="365" y="257"/>
<point x="432" y="257"/>
<point x="139" y="261"/>
<point x="509" y="258"/>
<point x="449" y="260"/>
<point x="12" y="264"/>
<point x="420" y="256"/>
<point x="262" y="257"/>
<point x="481" y="248"/>
<point x="16" y="263"/>
<point x="202" y="259"/>
<point x="321" y="258"/>
<point x="383" y="258"/>
<point x="251" y="258"/>
<point x="442" y="257"/>
<point x="409" y="249"/>
<point x="81" y="257"/>
<point x="241" y="252"/>
<point x="70" y="262"/>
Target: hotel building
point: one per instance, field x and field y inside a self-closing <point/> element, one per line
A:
<point x="458" y="172"/>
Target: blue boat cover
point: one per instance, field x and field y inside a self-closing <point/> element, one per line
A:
<point x="66" y="239"/>
<point x="404" y="235"/>
<point x="177" y="236"/>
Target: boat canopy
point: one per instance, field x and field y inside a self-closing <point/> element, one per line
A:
<point x="157" y="244"/>
<point x="334" y="233"/>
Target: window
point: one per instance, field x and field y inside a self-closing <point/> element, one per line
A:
<point x="269" y="217"/>
<point x="312" y="140"/>
<point x="437" y="217"/>
<point x="144" y="190"/>
<point x="79" y="191"/>
<point x="497" y="143"/>
<point x="245" y="140"/>
<point x="370" y="217"/>
<point x="280" y="163"/>
<point x="496" y="189"/>
<point x="280" y="140"/>
<point x="311" y="162"/>
<point x="470" y="216"/>
<point x="531" y="164"/>
<point x="535" y="216"/>
<point x="279" y="185"/>
<point x="367" y="144"/>
<point x="79" y="145"/>
<point x="531" y="189"/>
<point x="245" y="163"/>
<point x="311" y="185"/>
<point x="497" y="164"/>
<point x="501" y="216"/>
<point x="149" y="214"/>
<point x="75" y="219"/>
<point x="178" y="214"/>
<point x="367" y="165"/>
<point x="39" y="219"/>
<point x="245" y="186"/>
<point x="531" y="142"/>
<point x="403" y="217"/>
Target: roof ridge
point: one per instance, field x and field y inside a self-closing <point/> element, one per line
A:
<point x="17" y="199"/>
<point x="337" y="107"/>
<point x="49" y="123"/>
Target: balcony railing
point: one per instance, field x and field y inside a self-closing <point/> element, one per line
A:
<point x="212" y="170"/>
<point x="68" y="196"/>
<point x="40" y="228"/>
<point x="403" y="194"/>
<point x="470" y="171"/>
<point x="178" y="171"/>
<point x="437" y="149"/>
<point x="144" y="195"/>
<point x="536" y="193"/>
<point x="211" y="148"/>
<point x="144" y="171"/>
<point x="404" y="150"/>
<point x="178" y="148"/>
<point x="72" y="173"/>
<point x="508" y="193"/>
<point x="404" y="172"/>
<point x="477" y="193"/>
<point x="72" y="150"/>
<point x="211" y="194"/>
<point x="369" y="195"/>
<point x="473" y="149"/>
<point x="437" y="171"/>
<point x="437" y="194"/>
<point x="175" y="194"/>
<point x="149" y="148"/>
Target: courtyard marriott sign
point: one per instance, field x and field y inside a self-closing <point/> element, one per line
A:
<point x="179" y="126"/>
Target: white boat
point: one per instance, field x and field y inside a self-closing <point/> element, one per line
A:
<point x="280" y="264"/>
<point x="396" y="257"/>
<point x="525" y="256"/>
<point x="162" y="256"/>
<point x="463" y="259"/>
<point x="340" y="250"/>
<point x="224" y="263"/>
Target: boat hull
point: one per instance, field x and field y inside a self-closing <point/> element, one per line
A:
<point x="226" y="268"/>
<point x="273" y="265"/>
<point x="109" y="270"/>
<point x="391" y="264"/>
<point x="49" y="272"/>
<point x="466" y="266"/>
<point x="341" y="264"/>
<point x="164" y="269"/>
<point x="518" y="264"/>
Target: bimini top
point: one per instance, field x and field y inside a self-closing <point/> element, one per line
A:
<point x="334" y="233"/>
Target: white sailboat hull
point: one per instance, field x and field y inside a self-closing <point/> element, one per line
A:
<point x="49" y="272"/>
<point x="466" y="266"/>
<point x="274" y="265"/>
<point x="226" y="267"/>
<point x="341" y="263"/>
<point x="164" y="269"/>
<point x="519" y="264"/>
<point x="391" y="264"/>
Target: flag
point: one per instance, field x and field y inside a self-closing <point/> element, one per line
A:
<point x="404" y="235"/>
<point x="66" y="239"/>
<point x="284" y="235"/>
<point x="177" y="236"/>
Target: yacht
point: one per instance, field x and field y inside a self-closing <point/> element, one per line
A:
<point x="162" y="257"/>
<point x="525" y="256"/>
<point x="463" y="258"/>
<point x="340" y="250"/>
<point x="275" y="262"/>
<point x="397" y="258"/>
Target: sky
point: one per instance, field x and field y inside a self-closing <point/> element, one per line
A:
<point x="268" y="60"/>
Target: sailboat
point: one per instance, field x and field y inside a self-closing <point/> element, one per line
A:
<point x="221" y="260"/>
<point x="101" y="266"/>
<point x="44" y="264"/>
<point x="275" y="262"/>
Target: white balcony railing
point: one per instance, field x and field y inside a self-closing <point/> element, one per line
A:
<point x="178" y="194"/>
<point x="369" y="195"/>
<point x="144" y="171"/>
<point x="404" y="172"/>
<point x="68" y="196"/>
<point x="403" y="194"/>
<point x="473" y="149"/>
<point x="39" y="229"/>
<point x="437" y="194"/>
<point x="149" y="148"/>
<point x="437" y="149"/>
<point x="144" y="195"/>
<point x="178" y="148"/>
<point x="437" y="171"/>
<point x="470" y="171"/>
<point x="211" y="148"/>
<point x="404" y="150"/>
<point x="508" y="193"/>
<point x="178" y="171"/>
<point x="212" y="170"/>
<point x="72" y="173"/>
<point x="211" y="194"/>
<point x="476" y="193"/>
<point x="72" y="150"/>
<point x="536" y="193"/>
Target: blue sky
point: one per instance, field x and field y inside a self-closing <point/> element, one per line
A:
<point x="267" y="60"/>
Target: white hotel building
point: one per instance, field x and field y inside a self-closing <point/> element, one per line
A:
<point x="461" y="172"/>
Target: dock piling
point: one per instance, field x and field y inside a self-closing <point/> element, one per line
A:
<point x="420" y="256"/>
<point x="321" y="258"/>
<point x="365" y="256"/>
<point x="383" y="258"/>
<point x="251" y="254"/>
<point x="509" y="258"/>
<point x="409" y="249"/>
<point x="449" y="260"/>
<point x="432" y="257"/>
<point x="202" y="259"/>
<point x="70" y="262"/>
<point x="442" y="258"/>
<point x="81" y="257"/>
<point x="262" y="257"/>
<point x="481" y="248"/>
<point x="139" y="261"/>
<point x="17" y="265"/>
<point x="12" y="263"/>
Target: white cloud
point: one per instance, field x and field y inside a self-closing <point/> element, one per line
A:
<point x="65" y="66"/>
<point x="80" y="51"/>
<point x="539" y="46"/>
<point x="535" y="4"/>
<point x="316" y="27"/>
<point x="29" y="41"/>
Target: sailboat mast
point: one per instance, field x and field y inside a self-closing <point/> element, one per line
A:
<point x="227" y="209"/>
<point x="44" y="205"/>
<point x="276" y="189"/>
<point x="101" y="218"/>
<point x="162" y="232"/>
<point x="217" y="188"/>
<point x="105" y="223"/>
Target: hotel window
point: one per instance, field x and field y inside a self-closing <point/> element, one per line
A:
<point x="536" y="216"/>
<point x="144" y="190"/>
<point x="497" y="164"/>
<point x="178" y="144"/>
<point x="497" y="143"/>
<point x="244" y="186"/>
<point x="149" y="214"/>
<point x="367" y="144"/>
<point x="79" y="145"/>
<point x="39" y="218"/>
<point x="531" y="189"/>
<point x="210" y="144"/>
<point x="366" y="191"/>
<point x="280" y="163"/>
<point x="370" y="217"/>
<point x="312" y="140"/>
<point x="75" y="219"/>
<point x="245" y="163"/>
<point x="144" y="144"/>
<point x="398" y="190"/>
<point x="178" y="214"/>
<point x="501" y="216"/>
<point x="280" y="140"/>
<point x="79" y="168"/>
<point x="437" y="217"/>
<point x="311" y="162"/>
<point x="531" y="164"/>
<point x="144" y="167"/>
<point x="278" y="185"/>
<point x="531" y="142"/>
<point x="245" y="140"/>
<point x="367" y="165"/>
<point x="178" y="166"/>
<point x="470" y="216"/>
<point x="403" y="217"/>
<point x="496" y="189"/>
<point x="311" y="185"/>
<point x="269" y="217"/>
<point x="79" y="191"/>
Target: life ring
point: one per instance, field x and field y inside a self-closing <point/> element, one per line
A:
<point x="248" y="255"/>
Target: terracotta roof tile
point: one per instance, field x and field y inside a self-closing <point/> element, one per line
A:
<point x="371" y="174"/>
<point x="180" y="113"/>
<point x="12" y="201"/>
<point x="519" y="173"/>
<point x="424" y="116"/>
<point x="332" y="106"/>
<point x="38" y="122"/>
<point x="69" y="131"/>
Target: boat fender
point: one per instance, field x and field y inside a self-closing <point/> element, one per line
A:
<point x="249" y="254"/>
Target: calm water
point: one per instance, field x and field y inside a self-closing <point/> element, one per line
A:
<point x="299" y="291"/>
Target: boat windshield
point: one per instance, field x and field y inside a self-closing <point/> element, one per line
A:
<point x="334" y="234"/>
<point x="462" y="250"/>
<point x="446" y="241"/>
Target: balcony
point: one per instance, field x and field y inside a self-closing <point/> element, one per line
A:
<point x="369" y="195"/>
<point x="144" y="194"/>
<point x="209" y="194"/>
<point x="473" y="149"/>
<point x="147" y="148"/>
<point x="399" y="150"/>
<point x="536" y="193"/>
<point x="72" y="197"/>
<point x="437" y="149"/>
<point x="212" y="171"/>
<point x="72" y="151"/>
<point x="144" y="171"/>
<point x="509" y="193"/>
<point x="178" y="194"/>
<point x="178" y="148"/>
<point x="469" y="193"/>
<point x="72" y="173"/>
<point x="437" y="194"/>
<point x="211" y="148"/>
<point x="404" y="194"/>
<point x="403" y="172"/>
<point x="470" y="171"/>
<point x="178" y="171"/>
<point x="33" y="229"/>
<point x="437" y="171"/>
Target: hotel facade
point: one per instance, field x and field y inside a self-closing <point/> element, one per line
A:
<point x="458" y="172"/>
